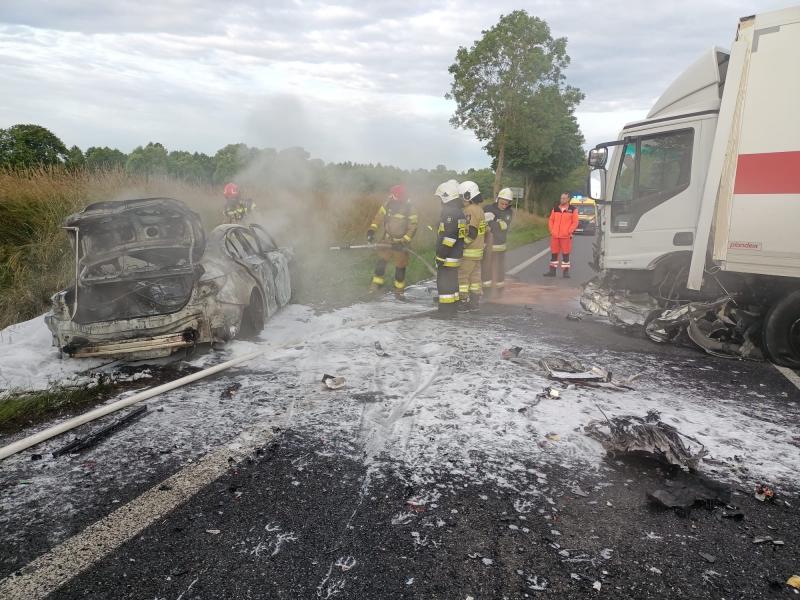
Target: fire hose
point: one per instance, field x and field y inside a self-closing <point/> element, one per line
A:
<point x="386" y="247"/>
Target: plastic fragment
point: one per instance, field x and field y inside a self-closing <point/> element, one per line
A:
<point x="794" y="581"/>
<point x="597" y="585"/>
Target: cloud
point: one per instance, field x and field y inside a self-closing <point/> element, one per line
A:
<point x="348" y="81"/>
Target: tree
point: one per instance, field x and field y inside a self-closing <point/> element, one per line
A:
<point x="550" y="144"/>
<point x="75" y="159"/>
<point x="495" y="78"/>
<point x="148" y="160"/>
<point x="104" y="158"/>
<point x="23" y="146"/>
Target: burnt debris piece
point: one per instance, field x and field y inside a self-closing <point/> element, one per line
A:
<point x="646" y="436"/>
<point x="83" y="443"/>
<point x="689" y="491"/>
<point x="331" y="382"/>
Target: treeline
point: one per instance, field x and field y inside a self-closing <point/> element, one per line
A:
<point x="291" y="170"/>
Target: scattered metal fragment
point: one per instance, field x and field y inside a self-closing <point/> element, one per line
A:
<point x="649" y="436"/>
<point x="509" y="353"/>
<point x="575" y="316"/>
<point x="331" y="382"/>
<point x="690" y="491"/>
<point x="761" y="540"/>
<point x="379" y="351"/>
<point x="79" y="444"/>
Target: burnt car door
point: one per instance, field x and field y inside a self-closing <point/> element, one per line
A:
<point x="245" y="249"/>
<point x="279" y="259"/>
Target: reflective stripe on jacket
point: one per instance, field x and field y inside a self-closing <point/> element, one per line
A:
<point x="475" y="233"/>
<point x="499" y="226"/>
<point x="450" y="235"/>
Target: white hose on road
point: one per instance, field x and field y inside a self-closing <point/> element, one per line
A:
<point x="102" y="411"/>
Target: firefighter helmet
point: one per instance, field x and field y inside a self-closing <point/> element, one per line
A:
<point x="505" y="194"/>
<point x="231" y="191"/>
<point x="469" y="190"/>
<point x="447" y="191"/>
<point x="398" y="192"/>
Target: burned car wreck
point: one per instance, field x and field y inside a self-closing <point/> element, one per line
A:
<point x="149" y="282"/>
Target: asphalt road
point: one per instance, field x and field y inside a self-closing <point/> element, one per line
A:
<point x="372" y="497"/>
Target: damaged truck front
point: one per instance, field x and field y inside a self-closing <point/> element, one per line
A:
<point x="140" y="290"/>
<point x="701" y="201"/>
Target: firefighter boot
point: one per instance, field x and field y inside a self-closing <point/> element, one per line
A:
<point x="473" y="304"/>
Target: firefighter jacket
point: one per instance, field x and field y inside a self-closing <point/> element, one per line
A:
<point x="399" y="220"/>
<point x="563" y="222"/>
<point x="476" y="231"/>
<point x="499" y="226"/>
<point x="236" y="209"/>
<point x="451" y="233"/>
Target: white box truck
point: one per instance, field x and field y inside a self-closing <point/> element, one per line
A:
<point x="700" y="202"/>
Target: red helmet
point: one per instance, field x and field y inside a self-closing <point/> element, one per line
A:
<point x="231" y="191"/>
<point x="398" y="192"/>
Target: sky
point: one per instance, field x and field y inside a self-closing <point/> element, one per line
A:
<point x="361" y="81"/>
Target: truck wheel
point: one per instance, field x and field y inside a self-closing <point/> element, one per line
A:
<point x="252" y="316"/>
<point x="781" y="331"/>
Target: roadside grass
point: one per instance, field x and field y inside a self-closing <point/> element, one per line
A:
<point x="19" y="409"/>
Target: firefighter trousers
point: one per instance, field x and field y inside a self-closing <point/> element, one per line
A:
<point x="493" y="269"/>
<point x="447" y="288"/>
<point x="400" y="260"/>
<point x="469" y="278"/>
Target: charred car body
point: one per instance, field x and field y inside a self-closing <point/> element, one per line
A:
<point x="149" y="282"/>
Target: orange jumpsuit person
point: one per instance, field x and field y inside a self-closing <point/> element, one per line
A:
<point x="563" y="223"/>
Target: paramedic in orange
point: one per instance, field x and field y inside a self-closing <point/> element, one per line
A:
<point x="563" y="223"/>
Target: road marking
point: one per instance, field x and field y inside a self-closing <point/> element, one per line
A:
<point x="524" y="265"/>
<point x="75" y="555"/>
<point x="789" y="374"/>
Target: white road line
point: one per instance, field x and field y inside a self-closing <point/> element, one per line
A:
<point x="524" y="265"/>
<point x="790" y="375"/>
<point x="75" y="555"/>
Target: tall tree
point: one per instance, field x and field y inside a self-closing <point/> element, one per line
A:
<point x="496" y="78"/>
<point x="549" y="145"/>
<point x="23" y="146"/>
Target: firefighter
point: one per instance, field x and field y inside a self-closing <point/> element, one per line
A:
<point x="449" y="247"/>
<point x="236" y="207"/>
<point x="562" y="224"/>
<point x="399" y="220"/>
<point x="498" y="220"/>
<point x="470" y="284"/>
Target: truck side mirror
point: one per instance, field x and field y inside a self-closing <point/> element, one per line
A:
<point x="598" y="158"/>
<point x="597" y="185"/>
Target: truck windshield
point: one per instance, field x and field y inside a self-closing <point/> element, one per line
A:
<point x="653" y="169"/>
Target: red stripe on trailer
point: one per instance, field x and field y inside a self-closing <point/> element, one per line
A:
<point x="768" y="173"/>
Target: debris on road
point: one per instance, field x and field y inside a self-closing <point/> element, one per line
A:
<point x="553" y="437"/>
<point x="575" y="316"/>
<point x="510" y="353"/>
<point x="379" y="351"/>
<point x="721" y="328"/>
<point x="79" y="444"/>
<point x="213" y="531"/>
<point x="688" y="492"/>
<point x="230" y="391"/>
<point x="764" y="493"/>
<point x="331" y="382"/>
<point x="794" y="581"/>
<point x="708" y="557"/>
<point x="648" y="436"/>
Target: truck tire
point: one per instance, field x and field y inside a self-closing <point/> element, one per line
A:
<point x="252" y="317"/>
<point x="781" y="331"/>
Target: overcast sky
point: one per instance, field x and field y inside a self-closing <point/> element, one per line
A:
<point x="357" y="81"/>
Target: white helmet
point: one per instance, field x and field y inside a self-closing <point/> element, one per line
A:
<point x="447" y="191"/>
<point x="505" y="194"/>
<point x="468" y="189"/>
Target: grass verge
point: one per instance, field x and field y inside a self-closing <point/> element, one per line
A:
<point x="23" y="409"/>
